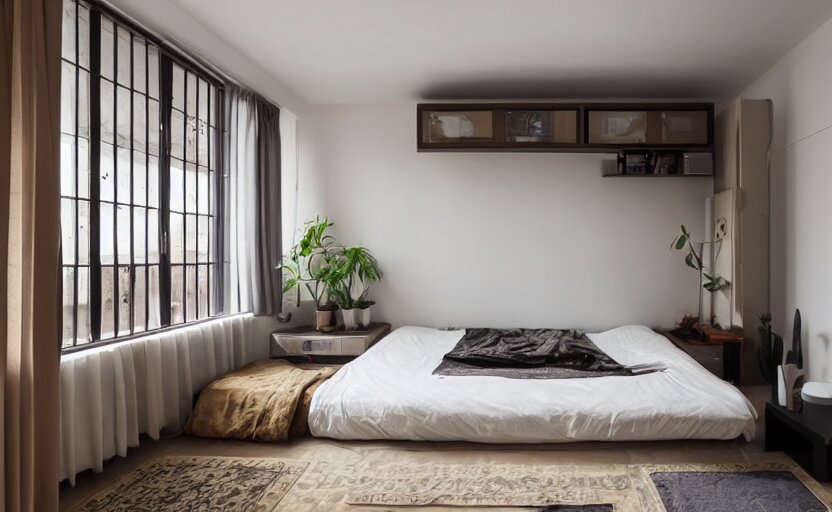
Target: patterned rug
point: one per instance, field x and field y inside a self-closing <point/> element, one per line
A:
<point x="622" y="488"/>
<point x="200" y="483"/>
<point x="249" y="484"/>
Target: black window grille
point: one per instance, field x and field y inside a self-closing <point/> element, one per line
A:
<point x="140" y="142"/>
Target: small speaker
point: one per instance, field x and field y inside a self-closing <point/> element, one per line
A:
<point x="698" y="164"/>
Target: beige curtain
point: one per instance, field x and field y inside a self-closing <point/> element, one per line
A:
<point x="30" y="39"/>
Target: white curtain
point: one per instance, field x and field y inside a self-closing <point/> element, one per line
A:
<point x="111" y="394"/>
<point x="240" y="188"/>
<point x="289" y="177"/>
<point x="252" y="192"/>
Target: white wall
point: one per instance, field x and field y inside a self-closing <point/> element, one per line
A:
<point x="801" y="235"/>
<point x="491" y="239"/>
<point x="172" y="24"/>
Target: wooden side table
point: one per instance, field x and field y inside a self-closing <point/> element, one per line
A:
<point x="804" y="436"/>
<point x="721" y="355"/>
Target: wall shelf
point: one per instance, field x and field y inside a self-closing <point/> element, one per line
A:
<point x="658" y="176"/>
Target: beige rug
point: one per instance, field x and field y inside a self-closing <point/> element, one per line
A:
<point x="628" y="488"/>
<point x="239" y="484"/>
<point x="200" y="483"/>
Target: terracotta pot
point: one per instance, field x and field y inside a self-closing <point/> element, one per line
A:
<point x="325" y="320"/>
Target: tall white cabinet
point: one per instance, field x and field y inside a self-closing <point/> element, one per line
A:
<point x="740" y="216"/>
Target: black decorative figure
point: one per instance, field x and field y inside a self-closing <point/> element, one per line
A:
<point x="797" y="346"/>
<point x="795" y="355"/>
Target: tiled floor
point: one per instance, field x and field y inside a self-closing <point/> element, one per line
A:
<point x="336" y="452"/>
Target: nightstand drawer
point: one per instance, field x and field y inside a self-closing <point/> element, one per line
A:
<point x="302" y="345"/>
<point x="709" y="356"/>
<point x="308" y="343"/>
<point x="354" y="346"/>
<point x="722" y="359"/>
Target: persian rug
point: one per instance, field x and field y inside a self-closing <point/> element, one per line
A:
<point x="178" y="483"/>
<point x="622" y="488"/>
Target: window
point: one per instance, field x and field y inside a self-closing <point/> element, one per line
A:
<point x="140" y="132"/>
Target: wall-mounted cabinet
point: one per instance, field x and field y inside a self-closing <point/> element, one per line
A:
<point x="561" y="127"/>
<point x="622" y="125"/>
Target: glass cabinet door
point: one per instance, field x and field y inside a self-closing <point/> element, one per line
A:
<point x="684" y="127"/>
<point x="542" y="126"/>
<point x="457" y="126"/>
<point x="653" y="127"/>
<point x="617" y="127"/>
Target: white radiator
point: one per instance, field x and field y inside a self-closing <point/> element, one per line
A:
<point x="113" y="393"/>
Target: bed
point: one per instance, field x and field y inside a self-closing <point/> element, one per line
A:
<point x="390" y="392"/>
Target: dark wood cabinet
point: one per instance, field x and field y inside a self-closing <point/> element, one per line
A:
<point x="565" y="127"/>
<point x="721" y="357"/>
<point x="805" y="436"/>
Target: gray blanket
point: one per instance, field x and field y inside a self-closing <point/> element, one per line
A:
<point x="530" y="354"/>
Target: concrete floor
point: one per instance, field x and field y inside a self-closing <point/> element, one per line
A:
<point x="338" y="452"/>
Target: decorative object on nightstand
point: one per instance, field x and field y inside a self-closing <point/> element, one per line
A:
<point x="805" y="436"/>
<point x="336" y="347"/>
<point x="817" y="393"/>
<point x="334" y="275"/>
<point x="717" y="350"/>
<point x="313" y="262"/>
<point x="357" y="269"/>
<point x="708" y="278"/>
<point x="791" y="375"/>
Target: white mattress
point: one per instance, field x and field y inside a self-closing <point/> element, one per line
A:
<point x="391" y="393"/>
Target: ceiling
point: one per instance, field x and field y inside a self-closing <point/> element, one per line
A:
<point x="364" y="51"/>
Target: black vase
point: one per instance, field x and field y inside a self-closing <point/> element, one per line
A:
<point x="797" y="346"/>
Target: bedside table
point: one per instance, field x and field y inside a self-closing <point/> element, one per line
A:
<point x="721" y="356"/>
<point x="805" y="436"/>
<point x="307" y="344"/>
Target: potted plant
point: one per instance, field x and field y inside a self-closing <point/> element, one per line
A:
<point x="708" y="279"/>
<point x="358" y="268"/>
<point x="315" y="262"/>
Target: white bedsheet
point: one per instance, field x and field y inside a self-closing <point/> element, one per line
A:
<point x="391" y="393"/>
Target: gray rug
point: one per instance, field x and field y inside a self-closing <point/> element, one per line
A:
<point x="750" y="491"/>
<point x="576" y="508"/>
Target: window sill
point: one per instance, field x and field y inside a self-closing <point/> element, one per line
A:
<point x="146" y="334"/>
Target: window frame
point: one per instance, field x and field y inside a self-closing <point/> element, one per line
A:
<point x="168" y="57"/>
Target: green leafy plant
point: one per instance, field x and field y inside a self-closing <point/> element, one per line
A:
<point x="693" y="259"/>
<point x="708" y="279"/>
<point x="314" y="262"/>
<point x="358" y="268"/>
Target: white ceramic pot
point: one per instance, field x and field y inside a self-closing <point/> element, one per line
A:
<point x="350" y="318"/>
<point x="363" y="318"/>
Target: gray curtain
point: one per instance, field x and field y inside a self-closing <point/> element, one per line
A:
<point x="267" y="300"/>
<point x="251" y="242"/>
